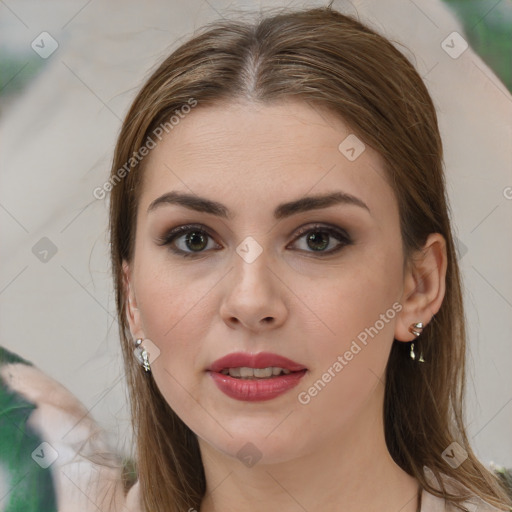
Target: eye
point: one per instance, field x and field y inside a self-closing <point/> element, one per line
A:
<point x="318" y="237"/>
<point x="195" y="238"/>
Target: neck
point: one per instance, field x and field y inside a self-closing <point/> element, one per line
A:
<point x="352" y="470"/>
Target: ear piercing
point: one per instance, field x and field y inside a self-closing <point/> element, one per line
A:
<point x="142" y="354"/>
<point x="416" y="329"/>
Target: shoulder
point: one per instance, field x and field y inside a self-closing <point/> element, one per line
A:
<point x="53" y="454"/>
<point x="432" y="503"/>
<point x="133" y="498"/>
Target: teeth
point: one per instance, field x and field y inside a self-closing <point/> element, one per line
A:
<point x="234" y="372"/>
<point x="263" y="372"/>
<point x="246" y="372"/>
<point x="255" y="373"/>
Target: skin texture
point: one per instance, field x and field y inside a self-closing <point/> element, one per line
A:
<point x="291" y="301"/>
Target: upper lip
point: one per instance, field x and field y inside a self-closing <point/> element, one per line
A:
<point x="260" y="360"/>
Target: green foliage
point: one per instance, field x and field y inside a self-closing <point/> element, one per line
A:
<point x="30" y="486"/>
<point x="488" y="30"/>
<point x="16" y="72"/>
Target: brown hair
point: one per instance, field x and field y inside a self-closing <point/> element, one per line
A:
<point x="330" y="60"/>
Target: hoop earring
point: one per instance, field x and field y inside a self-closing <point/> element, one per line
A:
<point x="416" y="329"/>
<point x="142" y="355"/>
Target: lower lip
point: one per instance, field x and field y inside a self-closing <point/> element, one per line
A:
<point x="252" y="390"/>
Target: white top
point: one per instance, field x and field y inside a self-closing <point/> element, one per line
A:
<point x="431" y="503"/>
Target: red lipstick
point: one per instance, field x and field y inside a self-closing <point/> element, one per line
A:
<point x="255" y="388"/>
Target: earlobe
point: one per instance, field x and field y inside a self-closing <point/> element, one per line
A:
<point x="424" y="288"/>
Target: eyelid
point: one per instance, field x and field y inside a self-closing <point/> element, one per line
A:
<point x="326" y="226"/>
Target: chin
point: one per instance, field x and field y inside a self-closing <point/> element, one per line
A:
<point x="259" y="448"/>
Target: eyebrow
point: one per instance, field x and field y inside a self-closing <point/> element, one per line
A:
<point x="304" y="204"/>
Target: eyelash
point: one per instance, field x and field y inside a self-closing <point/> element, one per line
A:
<point x="175" y="233"/>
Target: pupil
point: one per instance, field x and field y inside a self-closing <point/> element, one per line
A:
<point x="192" y="238"/>
<point x="315" y="239"/>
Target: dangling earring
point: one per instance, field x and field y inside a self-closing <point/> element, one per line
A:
<point x="416" y="329"/>
<point x="142" y="355"/>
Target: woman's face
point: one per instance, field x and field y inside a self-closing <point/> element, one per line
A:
<point x="244" y="279"/>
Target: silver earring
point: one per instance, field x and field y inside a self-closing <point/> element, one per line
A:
<point x="413" y="328"/>
<point x="416" y="329"/>
<point x="142" y="354"/>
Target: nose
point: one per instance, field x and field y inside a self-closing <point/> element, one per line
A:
<point x="254" y="296"/>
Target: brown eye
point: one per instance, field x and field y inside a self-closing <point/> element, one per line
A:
<point x="318" y="240"/>
<point x="189" y="240"/>
<point x="319" y="237"/>
<point x="196" y="240"/>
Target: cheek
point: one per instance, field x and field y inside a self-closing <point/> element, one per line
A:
<point x="356" y="313"/>
<point x="354" y="297"/>
<point x="176" y="312"/>
<point x="170" y="299"/>
<point x="171" y="308"/>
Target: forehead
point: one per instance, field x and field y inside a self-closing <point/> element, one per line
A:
<point x="248" y="154"/>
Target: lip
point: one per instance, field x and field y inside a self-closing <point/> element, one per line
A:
<point x="258" y="389"/>
<point x="260" y="360"/>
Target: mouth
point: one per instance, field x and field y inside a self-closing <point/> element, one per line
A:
<point x="255" y="377"/>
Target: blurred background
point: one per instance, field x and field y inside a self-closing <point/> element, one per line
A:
<point x="68" y="72"/>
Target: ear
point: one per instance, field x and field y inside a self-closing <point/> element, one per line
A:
<point x="424" y="286"/>
<point x="133" y="316"/>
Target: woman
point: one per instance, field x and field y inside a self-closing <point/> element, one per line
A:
<point x="286" y="279"/>
<point x="285" y="194"/>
